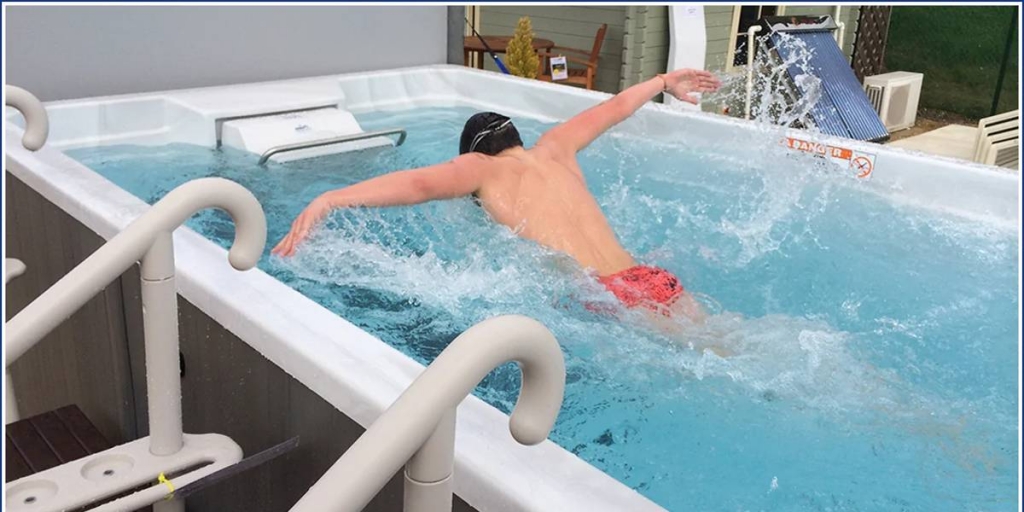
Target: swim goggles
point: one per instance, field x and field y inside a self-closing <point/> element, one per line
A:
<point x="494" y="127"/>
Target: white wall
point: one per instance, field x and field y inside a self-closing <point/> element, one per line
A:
<point x="63" y="52"/>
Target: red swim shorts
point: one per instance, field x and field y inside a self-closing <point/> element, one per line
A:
<point x="643" y="285"/>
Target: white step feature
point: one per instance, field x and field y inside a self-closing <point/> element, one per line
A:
<point x="119" y="469"/>
<point x="258" y="134"/>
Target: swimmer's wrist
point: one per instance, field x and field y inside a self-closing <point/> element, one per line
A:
<point x="664" y="82"/>
<point x="326" y="201"/>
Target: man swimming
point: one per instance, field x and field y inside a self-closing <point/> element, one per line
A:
<point x="540" y="193"/>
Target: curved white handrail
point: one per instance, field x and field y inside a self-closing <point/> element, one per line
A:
<point x="90" y="277"/>
<point x="37" y="125"/>
<point x="14" y="268"/>
<point x="422" y="409"/>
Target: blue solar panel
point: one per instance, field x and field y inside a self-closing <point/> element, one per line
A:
<point x="843" y="109"/>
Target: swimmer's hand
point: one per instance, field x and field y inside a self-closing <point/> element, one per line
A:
<point x="682" y="83"/>
<point x="303" y="224"/>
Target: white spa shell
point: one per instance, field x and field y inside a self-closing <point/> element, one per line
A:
<point x="354" y="371"/>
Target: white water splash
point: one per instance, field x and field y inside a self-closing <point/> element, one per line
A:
<point x="778" y="99"/>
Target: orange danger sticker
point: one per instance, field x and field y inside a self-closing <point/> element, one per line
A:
<point x="859" y="162"/>
<point x="806" y="146"/>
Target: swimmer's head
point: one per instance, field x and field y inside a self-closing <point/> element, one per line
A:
<point x="488" y="133"/>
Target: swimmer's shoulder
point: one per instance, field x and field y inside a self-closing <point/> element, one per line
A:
<point x="489" y="171"/>
<point x="472" y="160"/>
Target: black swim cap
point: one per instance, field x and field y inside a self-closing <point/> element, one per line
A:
<point x="488" y="133"/>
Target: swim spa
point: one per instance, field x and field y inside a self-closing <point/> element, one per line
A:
<point x="874" y="319"/>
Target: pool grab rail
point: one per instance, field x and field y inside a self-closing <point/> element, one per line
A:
<point x="37" y="129"/>
<point x="148" y="240"/>
<point x="418" y="429"/>
<point x="12" y="268"/>
<point x="37" y="125"/>
<point x="331" y="141"/>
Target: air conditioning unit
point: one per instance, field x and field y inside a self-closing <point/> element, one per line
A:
<point x="895" y="96"/>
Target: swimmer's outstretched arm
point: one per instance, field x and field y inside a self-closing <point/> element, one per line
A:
<point x="460" y="177"/>
<point x="578" y="132"/>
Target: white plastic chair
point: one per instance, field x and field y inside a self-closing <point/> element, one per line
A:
<point x="998" y="141"/>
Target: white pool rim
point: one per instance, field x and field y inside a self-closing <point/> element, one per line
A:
<point x="352" y="370"/>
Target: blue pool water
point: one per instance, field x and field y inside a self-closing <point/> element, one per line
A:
<point x="876" y="344"/>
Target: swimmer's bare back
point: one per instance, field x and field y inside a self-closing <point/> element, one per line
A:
<point x="542" y="196"/>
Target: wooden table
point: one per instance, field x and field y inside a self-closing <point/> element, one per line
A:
<point x="472" y="44"/>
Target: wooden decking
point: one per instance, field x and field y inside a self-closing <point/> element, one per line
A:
<point x="50" y="439"/>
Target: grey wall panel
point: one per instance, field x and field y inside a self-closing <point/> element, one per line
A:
<point x="84" y="361"/>
<point x="63" y="52"/>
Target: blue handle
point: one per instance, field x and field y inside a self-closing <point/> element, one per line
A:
<point x="501" y="66"/>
